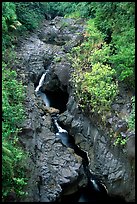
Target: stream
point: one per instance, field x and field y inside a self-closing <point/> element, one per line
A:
<point x="95" y="190"/>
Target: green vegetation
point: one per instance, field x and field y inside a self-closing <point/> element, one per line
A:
<point x="30" y="14"/>
<point x="120" y="140"/>
<point x="9" y="24"/>
<point x="13" y="157"/>
<point x="117" y="21"/>
<point x="131" y="119"/>
<point x="95" y="86"/>
<point x="98" y="86"/>
<point x="105" y="59"/>
<point x="13" y="94"/>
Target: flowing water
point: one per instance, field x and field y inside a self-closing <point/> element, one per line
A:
<point x="54" y="99"/>
<point x="41" y="82"/>
<point x="93" y="186"/>
<point x="95" y="190"/>
<point x="40" y="93"/>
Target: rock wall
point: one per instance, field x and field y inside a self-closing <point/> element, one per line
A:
<point x="114" y="165"/>
<point x="52" y="167"/>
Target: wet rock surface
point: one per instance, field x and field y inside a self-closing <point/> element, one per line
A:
<point x="51" y="164"/>
<point x="114" y="165"/>
<point x="35" y="55"/>
<point x="53" y="167"/>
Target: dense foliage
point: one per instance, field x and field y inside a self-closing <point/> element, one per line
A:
<point x="13" y="157"/>
<point x="110" y="41"/>
<point x="117" y="21"/>
<point x="9" y="24"/>
<point x="13" y="93"/>
<point x="95" y="87"/>
<point x="30" y="14"/>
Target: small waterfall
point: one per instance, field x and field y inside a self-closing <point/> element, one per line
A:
<point x="40" y="93"/>
<point x="63" y="134"/>
<point x="41" y="82"/>
<point x="44" y="98"/>
<point x="60" y="130"/>
<point x="95" y="184"/>
<point x="67" y="140"/>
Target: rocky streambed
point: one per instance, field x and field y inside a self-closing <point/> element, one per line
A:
<point x="56" y="170"/>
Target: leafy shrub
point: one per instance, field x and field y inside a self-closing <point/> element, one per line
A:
<point x="100" y="55"/>
<point x="87" y="9"/>
<point x="131" y="119"/>
<point x="120" y="140"/>
<point x="13" y="168"/>
<point x="96" y="88"/>
<point x="9" y="23"/>
<point x="13" y="157"/>
<point x="116" y="20"/>
<point x="8" y="15"/>
<point x="93" y="79"/>
<point x="12" y="97"/>
<point x="124" y="59"/>
<point x="29" y="14"/>
<point x="75" y="14"/>
<point x="62" y="8"/>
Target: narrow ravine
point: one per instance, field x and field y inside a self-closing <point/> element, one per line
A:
<point x="94" y="186"/>
<point x="95" y="190"/>
<point x="52" y="99"/>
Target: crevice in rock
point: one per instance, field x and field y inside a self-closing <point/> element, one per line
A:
<point x="94" y="190"/>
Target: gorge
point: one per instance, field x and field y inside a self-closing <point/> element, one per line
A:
<point x="58" y="170"/>
<point x="94" y="190"/>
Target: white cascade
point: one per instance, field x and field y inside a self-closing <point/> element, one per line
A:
<point x="61" y="130"/>
<point x="43" y="95"/>
<point x="45" y="99"/>
<point x="95" y="184"/>
<point x="41" y="81"/>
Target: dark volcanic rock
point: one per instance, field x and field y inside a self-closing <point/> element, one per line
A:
<point x="113" y="164"/>
<point x="51" y="165"/>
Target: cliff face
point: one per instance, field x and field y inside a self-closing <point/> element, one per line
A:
<point x="113" y="164"/>
<point x="53" y="166"/>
